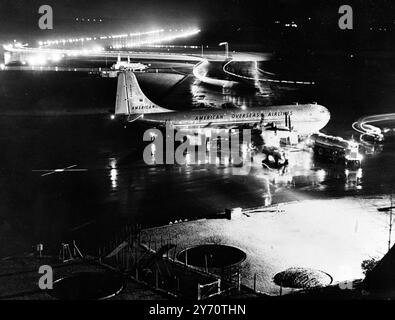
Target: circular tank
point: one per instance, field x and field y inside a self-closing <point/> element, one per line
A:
<point x="87" y="286"/>
<point x="212" y="256"/>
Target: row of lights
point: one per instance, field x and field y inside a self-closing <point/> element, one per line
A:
<point x="41" y="59"/>
<point x="83" y="39"/>
<point x="151" y="41"/>
<point x="89" y="19"/>
<point x="43" y="56"/>
<point x="292" y="25"/>
<point x="278" y="21"/>
<point x="173" y="46"/>
<point x="16" y="44"/>
<point x="379" y="29"/>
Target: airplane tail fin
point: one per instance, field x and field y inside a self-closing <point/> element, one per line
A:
<point x="131" y="99"/>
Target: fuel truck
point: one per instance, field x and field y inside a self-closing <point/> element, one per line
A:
<point x="336" y="150"/>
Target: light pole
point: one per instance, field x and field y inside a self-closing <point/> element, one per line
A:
<point x="226" y="48"/>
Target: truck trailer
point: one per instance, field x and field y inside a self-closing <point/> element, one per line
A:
<point x="336" y="149"/>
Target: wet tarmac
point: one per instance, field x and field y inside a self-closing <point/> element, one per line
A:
<point x="54" y="120"/>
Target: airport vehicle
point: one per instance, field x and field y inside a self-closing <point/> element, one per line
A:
<point x="353" y="178"/>
<point x="127" y="65"/>
<point x="108" y="73"/>
<point x="336" y="149"/>
<point x="274" y="157"/>
<point x="374" y="132"/>
<point x="133" y="105"/>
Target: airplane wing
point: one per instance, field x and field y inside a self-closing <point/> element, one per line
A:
<point x="273" y="127"/>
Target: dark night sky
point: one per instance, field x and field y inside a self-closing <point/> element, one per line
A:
<point x="18" y="18"/>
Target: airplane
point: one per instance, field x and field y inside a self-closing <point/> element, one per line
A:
<point x="133" y="105"/>
<point x="127" y="65"/>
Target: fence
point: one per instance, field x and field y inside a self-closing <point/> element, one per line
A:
<point x="209" y="290"/>
<point x="155" y="264"/>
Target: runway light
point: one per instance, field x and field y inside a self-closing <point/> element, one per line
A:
<point x="37" y="60"/>
<point x="114" y="178"/>
<point x="56" y="57"/>
<point x="112" y="116"/>
<point x="97" y="49"/>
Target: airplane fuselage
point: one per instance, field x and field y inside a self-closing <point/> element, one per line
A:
<point x="305" y="118"/>
<point x="132" y="103"/>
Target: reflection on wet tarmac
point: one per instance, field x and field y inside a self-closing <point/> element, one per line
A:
<point x="113" y="173"/>
<point x="118" y="185"/>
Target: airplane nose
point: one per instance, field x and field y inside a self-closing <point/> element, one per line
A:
<point x="325" y="114"/>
